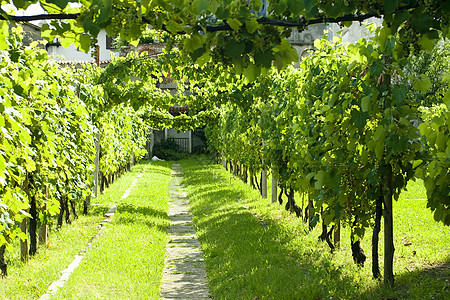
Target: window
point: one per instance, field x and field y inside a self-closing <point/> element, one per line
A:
<point x="109" y="42"/>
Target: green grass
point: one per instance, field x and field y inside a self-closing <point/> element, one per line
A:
<point x="127" y="260"/>
<point x="254" y="248"/>
<point x="30" y="280"/>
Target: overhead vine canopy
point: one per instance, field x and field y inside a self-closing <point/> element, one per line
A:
<point x="249" y="34"/>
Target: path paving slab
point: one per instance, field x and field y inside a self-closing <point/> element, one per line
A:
<point x="184" y="275"/>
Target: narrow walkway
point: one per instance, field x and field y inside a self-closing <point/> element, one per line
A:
<point x="184" y="271"/>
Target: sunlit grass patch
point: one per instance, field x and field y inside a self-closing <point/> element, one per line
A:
<point x="256" y="249"/>
<point x="127" y="260"/>
<point x="31" y="280"/>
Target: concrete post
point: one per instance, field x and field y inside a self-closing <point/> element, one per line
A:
<point x="97" y="164"/>
<point x="274" y="189"/>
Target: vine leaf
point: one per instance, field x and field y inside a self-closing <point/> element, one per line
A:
<point x="234" y="48"/>
<point x="390" y="6"/>
<point x="234" y="23"/>
<point x="423" y="84"/>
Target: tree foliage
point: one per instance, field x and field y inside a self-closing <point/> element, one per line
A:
<point x="234" y="31"/>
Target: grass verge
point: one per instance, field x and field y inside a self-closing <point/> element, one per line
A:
<point x="127" y="261"/>
<point x="256" y="250"/>
<point x="30" y="280"/>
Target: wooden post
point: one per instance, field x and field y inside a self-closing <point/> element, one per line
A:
<point x="97" y="55"/>
<point x="274" y="189"/>
<point x="24" y="244"/>
<point x="133" y="159"/>
<point x="264" y="183"/>
<point x="43" y="234"/>
<point x="337" y="234"/>
<point x="311" y="210"/>
<point x="263" y="176"/>
<point x="387" y="197"/>
<point x="43" y="230"/>
<point x="24" y="227"/>
<point x="95" y="176"/>
<point x="388" y="230"/>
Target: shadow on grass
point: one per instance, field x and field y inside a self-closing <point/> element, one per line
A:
<point x="98" y="209"/>
<point x="247" y="260"/>
<point x="427" y="282"/>
<point x="130" y="214"/>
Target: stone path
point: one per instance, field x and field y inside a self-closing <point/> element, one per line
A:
<point x="184" y="272"/>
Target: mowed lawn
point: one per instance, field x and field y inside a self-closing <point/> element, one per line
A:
<point x="253" y="249"/>
<point x="256" y="250"/>
<point x="31" y="280"/>
<point x="127" y="260"/>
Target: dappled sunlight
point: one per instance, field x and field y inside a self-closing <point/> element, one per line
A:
<point x="244" y="252"/>
<point x="255" y="248"/>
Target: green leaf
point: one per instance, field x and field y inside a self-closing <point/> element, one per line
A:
<point x="257" y="4"/>
<point x="3" y="35"/>
<point x="426" y="43"/>
<point x="251" y="25"/>
<point x="213" y="6"/>
<point x="197" y="53"/>
<point x="234" y="23"/>
<point x="423" y="84"/>
<point x="401" y="16"/>
<point x="85" y="43"/>
<point x="174" y="27"/>
<point x="295" y="6"/>
<point x="91" y="27"/>
<point x="66" y="41"/>
<point x="199" y="5"/>
<point x="422" y="22"/>
<point x="222" y="13"/>
<point x="359" y="118"/>
<point x="348" y="23"/>
<point x="319" y="177"/>
<point x="203" y="59"/>
<point x="193" y="43"/>
<point x="279" y="7"/>
<point x="390" y="6"/>
<point x="234" y="49"/>
<point x="399" y="93"/>
<point x="417" y="163"/>
<point x="441" y="141"/>
<point x="365" y="103"/>
<point x="105" y="12"/>
<point x="333" y="9"/>
<point x="379" y="134"/>
<point x="237" y="62"/>
<point x="135" y="31"/>
<point x="252" y="72"/>
<point x="265" y="59"/>
<point x="447" y="98"/>
<point x="60" y="3"/>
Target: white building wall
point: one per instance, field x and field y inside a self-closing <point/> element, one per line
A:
<point x="72" y="54"/>
<point x="356" y="31"/>
<point x="173" y="133"/>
